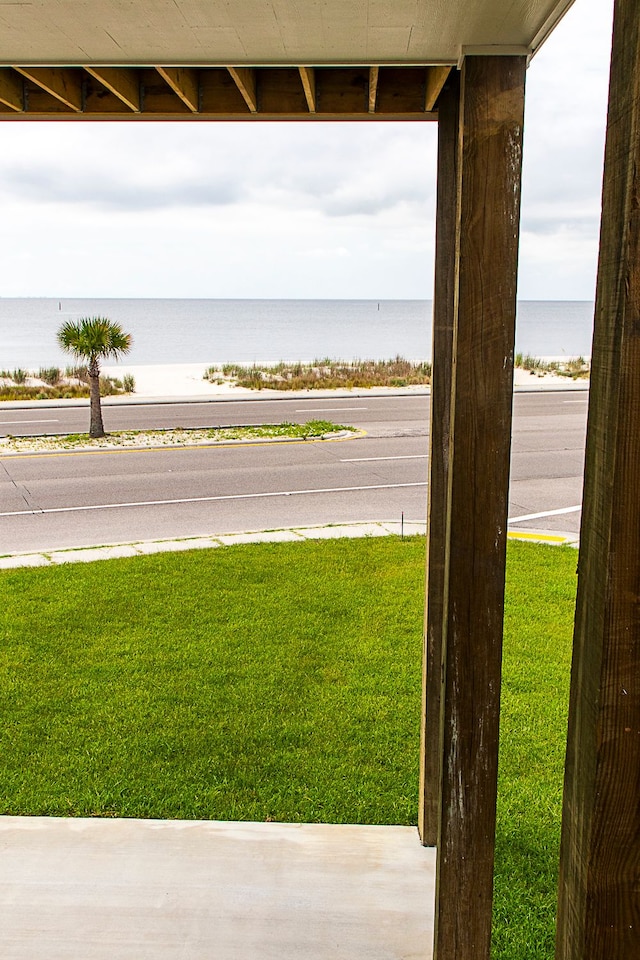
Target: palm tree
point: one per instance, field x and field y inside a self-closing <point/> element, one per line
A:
<point x="93" y="339"/>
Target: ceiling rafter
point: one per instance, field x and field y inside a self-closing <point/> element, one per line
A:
<point x="245" y="80"/>
<point x="308" y="77"/>
<point x="130" y="92"/>
<point x="373" y="88"/>
<point x="63" y="83"/>
<point x="184" y="83"/>
<point x="11" y="89"/>
<point x="436" y="79"/>
<point x="122" y="82"/>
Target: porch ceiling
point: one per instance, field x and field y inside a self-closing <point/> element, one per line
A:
<point x="276" y="32"/>
<point x="242" y="59"/>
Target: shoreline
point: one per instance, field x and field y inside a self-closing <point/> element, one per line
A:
<point x="187" y="380"/>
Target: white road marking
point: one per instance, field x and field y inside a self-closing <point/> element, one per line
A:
<point x="408" y="456"/>
<point x="4" y="423"/>
<point x="329" y="409"/>
<point x="231" y="496"/>
<point x="545" y="513"/>
<point x="576" y="401"/>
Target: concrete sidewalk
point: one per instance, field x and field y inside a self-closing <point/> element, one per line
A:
<point x="99" y="889"/>
<point x="45" y="558"/>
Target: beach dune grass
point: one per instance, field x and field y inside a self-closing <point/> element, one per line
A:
<point x="575" y="368"/>
<point x="52" y="384"/>
<point x="276" y="681"/>
<point x="324" y="374"/>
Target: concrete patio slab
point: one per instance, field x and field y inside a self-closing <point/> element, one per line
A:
<point x="99" y="889"/>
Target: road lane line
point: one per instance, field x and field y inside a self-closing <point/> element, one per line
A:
<point x="576" y="401"/>
<point x="331" y="409"/>
<point x="5" y="423"/>
<point x="230" y="496"/>
<point x="545" y="513"/>
<point x="408" y="456"/>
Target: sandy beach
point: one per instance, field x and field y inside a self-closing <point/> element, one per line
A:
<point x="172" y="380"/>
<point x="187" y="380"/>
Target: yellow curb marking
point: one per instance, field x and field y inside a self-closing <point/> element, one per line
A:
<point x="516" y="535"/>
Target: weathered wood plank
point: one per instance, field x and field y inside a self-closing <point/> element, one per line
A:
<point x="245" y="80"/>
<point x="62" y="83"/>
<point x="491" y="121"/>
<point x="184" y="83"/>
<point x="11" y="92"/>
<point x="599" y="894"/>
<point x="441" y="382"/>
<point x="123" y="82"/>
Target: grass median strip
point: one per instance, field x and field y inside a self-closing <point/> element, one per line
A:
<point x="276" y="681"/>
<point x="311" y="430"/>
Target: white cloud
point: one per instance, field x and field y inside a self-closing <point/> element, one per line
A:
<point x="300" y="210"/>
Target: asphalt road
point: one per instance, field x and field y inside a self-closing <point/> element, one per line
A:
<point x="83" y="499"/>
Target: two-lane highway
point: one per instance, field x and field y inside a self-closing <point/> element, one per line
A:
<point x="82" y="499"/>
<point x="388" y="412"/>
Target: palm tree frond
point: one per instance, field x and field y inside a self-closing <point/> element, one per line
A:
<point x="94" y="337"/>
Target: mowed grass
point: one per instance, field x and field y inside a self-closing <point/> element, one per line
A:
<point x="276" y="681"/>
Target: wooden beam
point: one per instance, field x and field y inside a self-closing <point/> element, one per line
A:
<point x="373" y="88"/>
<point x="308" y="77"/>
<point x="438" y="496"/>
<point x="60" y="82"/>
<point x="487" y="228"/>
<point x="184" y="82"/>
<point x="245" y="80"/>
<point x="11" y="90"/>
<point x="436" y="79"/>
<point x="598" y="907"/>
<point x="123" y="82"/>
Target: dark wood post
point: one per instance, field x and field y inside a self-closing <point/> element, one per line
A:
<point x="491" y="122"/>
<point x="441" y="379"/>
<point x="599" y="890"/>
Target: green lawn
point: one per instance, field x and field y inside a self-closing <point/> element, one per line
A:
<point x="275" y="681"/>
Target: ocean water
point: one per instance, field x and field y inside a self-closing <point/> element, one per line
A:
<point x="244" y="331"/>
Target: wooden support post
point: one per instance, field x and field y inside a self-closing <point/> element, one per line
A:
<point x="491" y="122"/>
<point x="599" y="900"/>
<point x="441" y="379"/>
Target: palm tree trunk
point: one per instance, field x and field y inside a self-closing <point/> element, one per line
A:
<point x="96" y="427"/>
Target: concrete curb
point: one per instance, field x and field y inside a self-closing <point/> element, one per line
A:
<point x="108" y="447"/>
<point x="141" y="548"/>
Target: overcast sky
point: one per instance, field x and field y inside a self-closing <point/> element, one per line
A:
<point x="296" y="210"/>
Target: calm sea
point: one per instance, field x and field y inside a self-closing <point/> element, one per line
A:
<point x="208" y="331"/>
